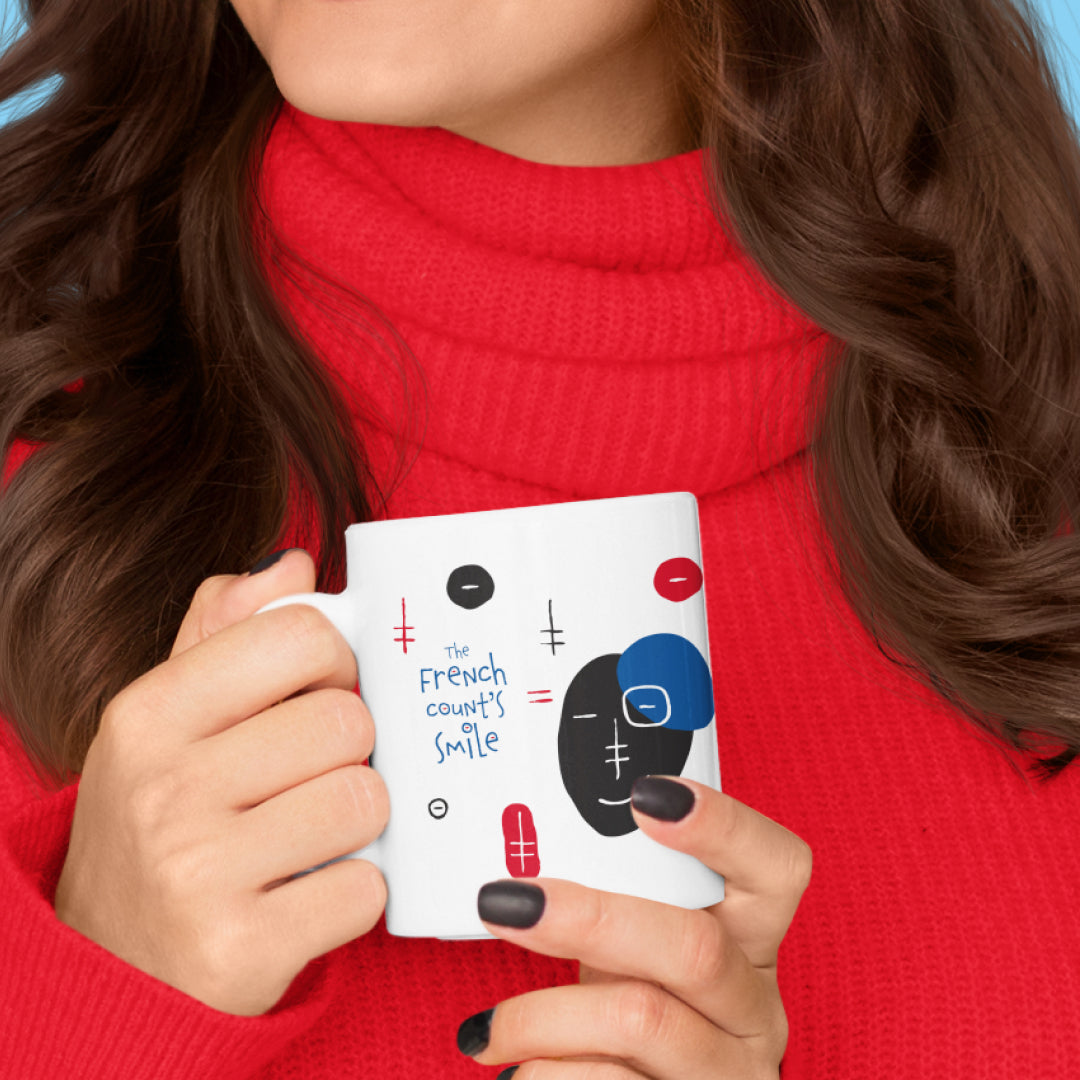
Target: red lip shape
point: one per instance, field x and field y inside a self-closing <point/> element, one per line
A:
<point x="677" y="579"/>
<point x="519" y="837"/>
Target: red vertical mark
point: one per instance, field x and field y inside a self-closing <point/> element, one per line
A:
<point x="519" y="839"/>
<point x="404" y="639"/>
<point x="677" y="579"/>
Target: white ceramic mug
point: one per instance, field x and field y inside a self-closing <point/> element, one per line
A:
<point x="523" y="667"/>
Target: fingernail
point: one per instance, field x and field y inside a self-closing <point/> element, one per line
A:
<point x="474" y="1033"/>
<point x="507" y="1073"/>
<point x="265" y="564"/>
<point x="661" y="798"/>
<point x="510" y="903"/>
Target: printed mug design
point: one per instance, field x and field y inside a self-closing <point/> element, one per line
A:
<point x="470" y="586"/>
<point x="521" y="847"/>
<point x="628" y="714"/>
<point x="623" y="714"/>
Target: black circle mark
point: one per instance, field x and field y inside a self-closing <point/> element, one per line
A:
<point x="437" y="808"/>
<point x="470" y="586"/>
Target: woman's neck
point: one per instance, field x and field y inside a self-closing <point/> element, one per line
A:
<point x="623" y="109"/>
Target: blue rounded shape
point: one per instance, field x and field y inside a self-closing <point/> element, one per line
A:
<point x="666" y="680"/>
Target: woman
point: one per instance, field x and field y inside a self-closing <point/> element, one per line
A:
<point x="270" y="268"/>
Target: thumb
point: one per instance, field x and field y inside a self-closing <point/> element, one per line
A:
<point x="225" y="599"/>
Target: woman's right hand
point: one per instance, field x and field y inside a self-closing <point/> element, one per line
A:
<point x="208" y="785"/>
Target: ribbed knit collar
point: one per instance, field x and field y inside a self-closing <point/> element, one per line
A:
<point x="544" y="302"/>
<point x="623" y="217"/>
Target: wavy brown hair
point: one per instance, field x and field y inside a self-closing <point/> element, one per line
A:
<point x="903" y="171"/>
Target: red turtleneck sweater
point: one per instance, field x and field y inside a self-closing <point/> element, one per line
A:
<point x="582" y="333"/>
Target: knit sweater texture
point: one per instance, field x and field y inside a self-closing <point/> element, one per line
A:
<point x="579" y="333"/>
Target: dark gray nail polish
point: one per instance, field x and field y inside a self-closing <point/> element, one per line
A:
<point x="265" y="564"/>
<point x="661" y="798"/>
<point x="474" y="1033"/>
<point x="511" y="903"/>
<point x="507" y="1073"/>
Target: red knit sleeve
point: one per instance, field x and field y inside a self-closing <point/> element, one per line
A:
<point x="69" y="1008"/>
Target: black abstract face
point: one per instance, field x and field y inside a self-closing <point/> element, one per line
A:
<point x="606" y="743"/>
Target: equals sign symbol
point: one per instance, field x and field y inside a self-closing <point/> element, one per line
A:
<point x="534" y="700"/>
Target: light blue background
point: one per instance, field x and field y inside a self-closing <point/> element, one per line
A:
<point x="1062" y="18"/>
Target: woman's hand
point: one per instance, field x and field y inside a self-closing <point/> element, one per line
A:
<point x="666" y="993"/>
<point x="212" y="780"/>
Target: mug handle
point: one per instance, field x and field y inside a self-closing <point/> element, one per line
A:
<point x="340" y="609"/>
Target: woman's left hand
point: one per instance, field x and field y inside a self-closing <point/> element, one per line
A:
<point x="666" y="992"/>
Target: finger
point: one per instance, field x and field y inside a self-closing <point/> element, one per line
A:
<point x="283" y="746"/>
<point x="634" y="1023"/>
<point x="688" y="952"/>
<point x="313" y="914"/>
<point x="572" y="1069"/>
<point x="326" y="817"/>
<point x="588" y="975"/>
<point x="765" y="866"/>
<point x="238" y="672"/>
<point x="225" y="599"/>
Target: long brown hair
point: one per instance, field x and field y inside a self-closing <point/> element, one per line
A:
<point x="904" y="171"/>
